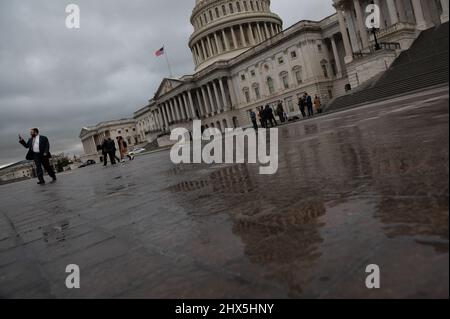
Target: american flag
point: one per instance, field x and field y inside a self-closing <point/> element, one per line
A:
<point x="160" y="52"/>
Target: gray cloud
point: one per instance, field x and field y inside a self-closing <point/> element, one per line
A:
<point x="61" y="80"/>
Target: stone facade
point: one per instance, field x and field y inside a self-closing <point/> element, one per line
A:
<point x="92" y="137"/>
<point x="244" y="59"/>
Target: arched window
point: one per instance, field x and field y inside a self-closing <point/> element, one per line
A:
<point x="284" y="77"/>
<point x="270" y="85"/>
<point x="297" y="70"/>
<point x="217" y="12"/>
<point x="224" y="10"/>
<point x="238" y="6"/>
<point x="231" y="8"/>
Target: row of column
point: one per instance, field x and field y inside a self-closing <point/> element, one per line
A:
<point x="231" y="38"/>
<point x="396" y="12"/>
<point x="211" y="98"/>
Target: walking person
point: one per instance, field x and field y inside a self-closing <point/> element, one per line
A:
<point x="39" y="151"/>
<point x="302" y="106"/>
<point x="318" y="104"/>
<point x="309" y="105"/>
<point x="123" y="149"/>
<point x="109" y="149"/>
<point x="263" y="115"/>
<point x="280" y="112"/>
<point x="254" y="121"/>
<point x="269" y="116"/>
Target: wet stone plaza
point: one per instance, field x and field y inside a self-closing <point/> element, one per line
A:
<point x="357" y="187"/>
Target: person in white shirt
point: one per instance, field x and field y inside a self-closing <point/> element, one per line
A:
<point x="39" y="151"/>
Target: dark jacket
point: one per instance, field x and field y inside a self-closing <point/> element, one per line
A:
<point x="44" y="147"/>
<point x="108" y="146"/>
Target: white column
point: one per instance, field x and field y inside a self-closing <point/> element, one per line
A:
<point x="401" y="10"/>
<point x="234" y="38"/>
<point x="205" y="56"/>
<point x="259" y="32"/>
<point x="361" y="24"/>
<point x="205" y="100"/>
<point x="162" y="119"/>
<point x="336" y="56"/>
<point x="208" y="40"/>
<point x="227" y="44"/>
<point x="421" y="22"/>
<point x="392" y="8"/>
<point x="211" y="100"/>
<point x="218" y="45"/>
<point x="168" y="114"/>
<point x="444" y="16"/>
<point x="177" y="109"/>
<point x="345" y="38"/>
<point x="191" y="103"/>
<point x="251" y="37"/>
<point x="186" y="106"/>
<point x="224" y="97"/>
<point x="216" y="94"/>
<point x="232" y="94"/>
<point x="199" y="100"/>
<point x="184" y="115"/>
<point x="267" y="30"/>
<point x="244" y="42"/>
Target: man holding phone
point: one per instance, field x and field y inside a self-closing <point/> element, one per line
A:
<point x="39" y="151"/>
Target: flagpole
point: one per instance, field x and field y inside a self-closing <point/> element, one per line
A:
<point x="167" y="60"/>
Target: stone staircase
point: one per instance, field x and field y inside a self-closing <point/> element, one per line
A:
<point x="424" y="65"/>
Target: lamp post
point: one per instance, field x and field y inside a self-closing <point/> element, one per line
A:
<point x="374" y="32"/>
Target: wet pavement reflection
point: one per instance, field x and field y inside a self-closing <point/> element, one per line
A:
<point x="359" y="187"/>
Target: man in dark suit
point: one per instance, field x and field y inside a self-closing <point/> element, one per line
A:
<point x="39" y="151"/>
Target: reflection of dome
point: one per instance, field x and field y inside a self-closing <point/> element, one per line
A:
<point x="224" y="29"/>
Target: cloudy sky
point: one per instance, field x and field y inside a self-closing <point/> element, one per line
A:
<point x="61" y="80"/>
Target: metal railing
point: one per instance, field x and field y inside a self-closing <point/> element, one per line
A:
<point x="384" y="46"/>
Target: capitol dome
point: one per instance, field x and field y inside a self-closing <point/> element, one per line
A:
<point x="223" y="29"/>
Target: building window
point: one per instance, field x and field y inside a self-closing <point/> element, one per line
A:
<point x="224" y="10"/>
<point x="270" y="85"/>
<point x="252" y="6"/>
<point x="293" y="55"/>
<point x="280" y="60"/>
<point x="324" y="64"/>
<point x="238" y="6"/>
<point x="210" y="15"/>
<point x="217" y="13"/>
<point x="243" y="77"/>
<point x="289" y="104"/>
<point x="245" y="6"/>
<point x="319" y="47"/>
<point x="257" y="91"/>
<point x="257" y="6"/>
<point x="334" y="68"/>
<point x="247" y="95"/>
<point x="231" y="8"/>
<point x="285" y="80"/>
<point x="253" y="73"/>
<point x="298" y="74"/>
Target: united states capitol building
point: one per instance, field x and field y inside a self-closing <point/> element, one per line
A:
<point x="244" y="59"/>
